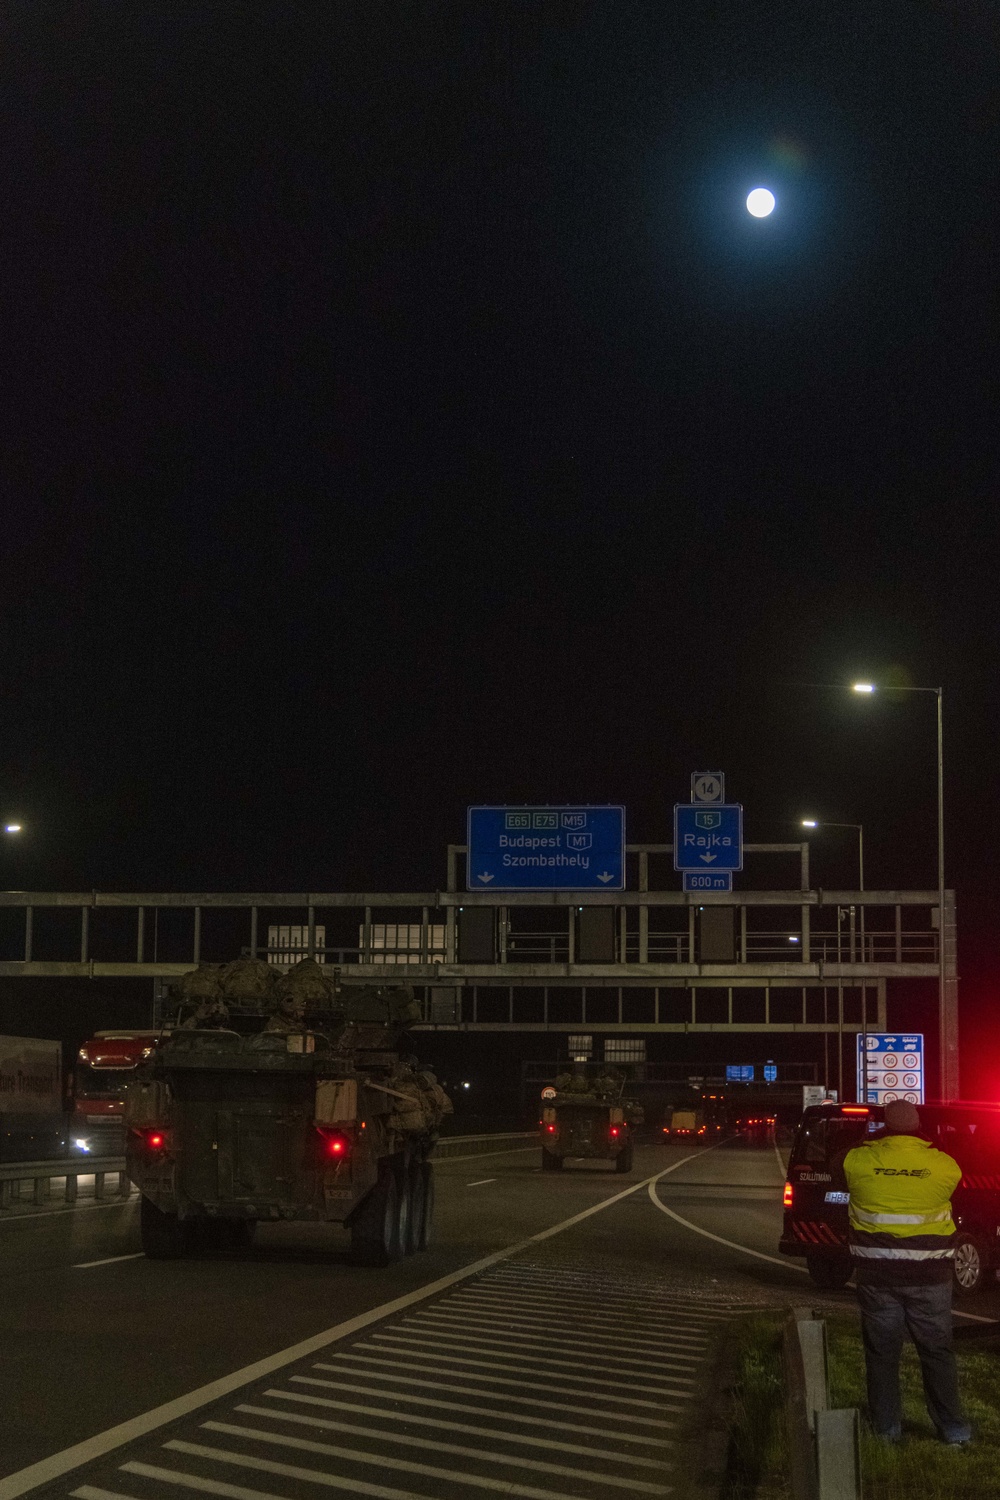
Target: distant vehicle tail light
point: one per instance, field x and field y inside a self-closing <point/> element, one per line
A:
<point x="787" y="1196"/>
<point x="335" y="1144"/>
<point x="614" y="1131"/>
<point x="551" y="1129"/>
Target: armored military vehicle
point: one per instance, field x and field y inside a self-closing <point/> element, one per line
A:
<point x="588" y="1116"/>
<point x="283" y="1098"/>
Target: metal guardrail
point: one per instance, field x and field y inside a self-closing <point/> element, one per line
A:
<point x="509" y="1139"/>
<point x="824" y="1445"/>
<point x="41" y="1174"/>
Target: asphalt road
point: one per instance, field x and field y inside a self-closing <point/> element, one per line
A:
<point x="95" y="1336"/>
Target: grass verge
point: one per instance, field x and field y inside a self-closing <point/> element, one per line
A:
<point x="922" y="1468"/>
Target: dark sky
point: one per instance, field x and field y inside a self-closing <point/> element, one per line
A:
<point x="400" y="410"/>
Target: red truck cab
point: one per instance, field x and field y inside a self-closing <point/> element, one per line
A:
<point x="104" y="1065"/>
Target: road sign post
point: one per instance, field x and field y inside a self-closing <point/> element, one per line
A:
<point x="546" y="849"/>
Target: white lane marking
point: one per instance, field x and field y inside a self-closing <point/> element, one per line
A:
<point x="456" y="1450"/>
<point x="557" y="1307"/>
<point x="482" y="1182"/>
<point x="787" y="1264"/>
<point x="89" y="1492"/>
<point x="57" y="1464"/>
<point x="439" y="1424"/>
<point x="112" y="1260"/>
<point x="356" y="1455"/>
<point x="516" y="1361"/>
<point x="74" y="1208"/>
<point x="479" y="1343"/>
<point x="239" y="1492"/>
<point x="483" y="1380"/>
<point x="661" y="1308"/>
<point x="538" y="1330"/>
<point x="546" y="1339"/>
<point x="616" y="1332"/>
<point x="471" y="1411"/>
<point x="583" y="1301"/>
<point x="781" y="1165"/>
<point x="718" y="1238"/>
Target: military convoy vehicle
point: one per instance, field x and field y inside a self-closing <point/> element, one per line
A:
<point x="283" y="1098"/>
<point x="587" y="1116"/>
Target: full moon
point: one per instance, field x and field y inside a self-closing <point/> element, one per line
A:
<point x="760" y="203"/>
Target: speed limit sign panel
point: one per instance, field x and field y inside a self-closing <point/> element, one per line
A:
<point x="891" y="1066"/>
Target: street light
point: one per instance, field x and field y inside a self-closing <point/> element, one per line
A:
<point x="12" y="828"/>
<point x="948" y="1045"/>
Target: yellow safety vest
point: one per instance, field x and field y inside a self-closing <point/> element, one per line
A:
<point x="900" y="1200"/>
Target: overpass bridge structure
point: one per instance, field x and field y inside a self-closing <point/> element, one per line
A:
<point x="644" y="959"/>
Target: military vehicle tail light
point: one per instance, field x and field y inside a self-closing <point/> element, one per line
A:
<point x="787" y="1196"/>
<point x="154" y="1139"/>
<point x="336" y="1145"/>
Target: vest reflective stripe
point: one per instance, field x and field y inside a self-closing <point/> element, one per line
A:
<point x="884" y="1252"/>
<point x="943" y="1216"/>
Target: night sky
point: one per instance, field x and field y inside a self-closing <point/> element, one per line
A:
<point x="401" y="410"/>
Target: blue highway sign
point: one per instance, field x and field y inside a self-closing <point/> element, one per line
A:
<point x="739" y="1073"/>
<point x="708" y="837"/>
<point x="546" y="849"/>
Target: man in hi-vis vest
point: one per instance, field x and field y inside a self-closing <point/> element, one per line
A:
<point x="902" y="1243"/>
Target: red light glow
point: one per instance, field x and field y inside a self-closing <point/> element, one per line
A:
<point x="614" y="1130"/>
<point x="787" y="1195"/>
<point x="850" y="1109"/>
<point x="336" y="1146"/>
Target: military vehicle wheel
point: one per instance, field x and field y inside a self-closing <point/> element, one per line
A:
<point x="163" y="1236"/>
<point x="375" y="1239"/>
<point x="427" y="1206"/>
<point x="551" y="1162"/>
<point x="623" y="1161"/>
<point x="831" y="1275"/>
<point x="416" y="1188"/>
<point x="969" y="1266"/>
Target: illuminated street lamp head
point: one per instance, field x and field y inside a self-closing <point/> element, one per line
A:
<point x="12" y="828"/>
<point x="760" y="202"/>
<point x="809" y="823"/>
<point x="863" y="687"/>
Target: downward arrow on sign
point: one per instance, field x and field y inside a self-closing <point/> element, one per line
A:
<point x="605" y="877"/>
<point x="708" y="858"/>
<point x="484" y="878"/>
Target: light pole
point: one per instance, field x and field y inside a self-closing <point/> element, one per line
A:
<point x="947" y="1024"/>
<point x="859" y="830"/>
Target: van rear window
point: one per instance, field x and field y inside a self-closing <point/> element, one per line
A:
<point x="818" y="1142"/>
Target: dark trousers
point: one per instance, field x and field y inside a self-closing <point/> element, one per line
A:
<point x="887" y="1314"/>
